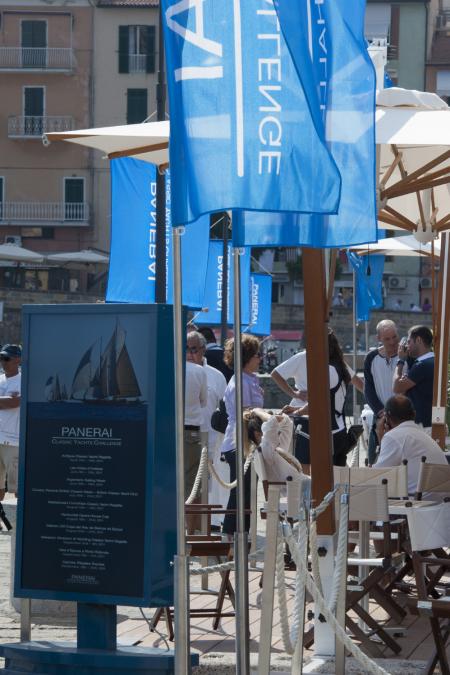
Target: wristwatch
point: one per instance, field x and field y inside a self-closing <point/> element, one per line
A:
<point x="401" y="362"/>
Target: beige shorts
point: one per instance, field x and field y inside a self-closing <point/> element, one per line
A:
<point x="192" y="454"/>
<point x="9" y="466"/>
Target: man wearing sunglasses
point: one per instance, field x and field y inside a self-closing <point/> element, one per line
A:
<point x="10" y="356"/>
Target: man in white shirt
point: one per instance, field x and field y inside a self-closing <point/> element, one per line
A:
<point x="295" y="368"/>
<point x="216" y="384"/>
<point x="10" y="356"/>
<point x="403" y="439"/>
<point x="196" y="398"/>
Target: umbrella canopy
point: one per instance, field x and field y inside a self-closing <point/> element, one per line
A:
<point x="148" y="141"/>
<point x="85" y="256"/>
<point x="19" y="254"/>
<point x="399" y="246"/>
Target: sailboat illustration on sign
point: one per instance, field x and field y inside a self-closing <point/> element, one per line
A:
<point x="113" y="380"/>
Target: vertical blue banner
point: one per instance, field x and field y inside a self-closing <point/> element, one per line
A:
<point x="132" y="270"/>
<point x="214" y="286"/>
<point x="346" y="81"/>
<point x="260" y="304"/>
<point x="244" y="120"/>
<point x="369" y="292"/>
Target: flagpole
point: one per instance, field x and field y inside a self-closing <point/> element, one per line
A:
<point x="182" y="637"/>
<point x="240" y="536"/>
<point x="160" y="283"/>
<point x="225" y="276"/>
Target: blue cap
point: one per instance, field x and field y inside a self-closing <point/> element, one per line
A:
<point x="13" y="351"/>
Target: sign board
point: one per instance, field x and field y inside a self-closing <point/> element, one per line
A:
<point x="97" y="455"/>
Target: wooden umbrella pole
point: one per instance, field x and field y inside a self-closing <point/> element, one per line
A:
<point x="433" y="293"/>
<point x="332" y="274"/>
<point x="318" y="382"/>
<point x="441" y="345"/>
<point x="408" y="178"/>
<point x="393" y="212"/>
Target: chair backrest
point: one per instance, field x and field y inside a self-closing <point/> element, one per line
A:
<point x="397" y="477"/>
<point x="429" y="526"/>
<point x="369" y="502"/>
<point x="433" y="478"/>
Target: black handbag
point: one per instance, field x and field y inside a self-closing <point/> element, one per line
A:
<point x="353" y="433"/>
<point x="219" y="418"/>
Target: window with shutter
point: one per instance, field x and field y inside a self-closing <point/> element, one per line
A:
<point x="33" y="111"/>
<point x="124" y="48"/>
<point x="136" y="105"/>
<point x="74" y="198"/>
<point x="34" y="44"/>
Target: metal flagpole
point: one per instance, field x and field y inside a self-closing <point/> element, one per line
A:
<point x="225" y="276"/>
<point x="355" y="400"/>
<point x="160" y="283"/>
<point x="240" y="536"/>
<point x="182" y="639"/>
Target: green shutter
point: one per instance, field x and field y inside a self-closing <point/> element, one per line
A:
<point x="124" y="46"/>
<point x="151" y="49"/>
<point x="136" y="106"/>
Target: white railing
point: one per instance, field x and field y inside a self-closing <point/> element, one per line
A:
<point x="36" y="125"/>
<point x="137" y="63"/>
<point x="44" y="211"/>
<point x="36" y="58"/>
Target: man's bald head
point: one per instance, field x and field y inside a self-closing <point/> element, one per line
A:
<point x="398" y="409"/>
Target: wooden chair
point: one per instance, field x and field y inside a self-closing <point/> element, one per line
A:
<point x="429" y="529"/>
<point x="369" y="503"/>
<point x="207" y="545"/>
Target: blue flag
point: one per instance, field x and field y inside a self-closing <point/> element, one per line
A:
<point x="246" y="132"/>
<point x="346" y="80"/>
<point x="132" y="268"/>
<point x="369" y="292"/>
<point x="260" y="304"/>
<point x="214" y="287"/>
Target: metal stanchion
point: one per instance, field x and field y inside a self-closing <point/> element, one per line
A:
<point x="241" y="536"/>
<point x="25" y="620"/>
<point x="182" y="638"/>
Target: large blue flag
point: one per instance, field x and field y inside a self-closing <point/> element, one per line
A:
<point x="132" y="268"/>
<point x="346" y="80"/>
<point x="261" y="304"/>
<point x="368" y="281"/>
<point x="214" y="288"/>
<point x="246" y="132"/>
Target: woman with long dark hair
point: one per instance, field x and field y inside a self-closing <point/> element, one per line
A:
<point x="341" y="376"/>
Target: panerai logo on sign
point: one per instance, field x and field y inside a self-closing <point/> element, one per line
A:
<point x="86" y="432"/>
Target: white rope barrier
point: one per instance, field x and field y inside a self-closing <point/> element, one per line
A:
<point x="230" y="486"/>
<point x="198" y="478"/>
<point x="341" y="554"/>
<point x="322" y="608"/>
<point x="223" y="567"/>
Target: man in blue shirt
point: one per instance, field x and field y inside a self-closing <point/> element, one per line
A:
<point x="416" y="379"/>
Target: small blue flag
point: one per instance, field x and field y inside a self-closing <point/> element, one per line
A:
<point x="369" y="292"/>
<point x="346" y="80"/>
<point x="132" y="267"/>
<point x="260" y="304"/>
<point x="246" y="132"/>
<point x="214" y="287"/>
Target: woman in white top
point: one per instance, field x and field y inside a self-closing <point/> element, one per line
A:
<point x="341" y="375"/>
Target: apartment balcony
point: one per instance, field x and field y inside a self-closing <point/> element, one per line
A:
<point x="50" y="213"/>
<point x="49" y="59"/>
<point x="33" y="126"/>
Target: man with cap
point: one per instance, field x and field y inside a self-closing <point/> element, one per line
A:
<point x="10" y="356"/>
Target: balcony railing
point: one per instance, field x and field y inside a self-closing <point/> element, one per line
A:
<point x="33" y="126"/>
<point x="36" y="58"/>
<point x="44" y="211"/>
<point x="137" y="63"/>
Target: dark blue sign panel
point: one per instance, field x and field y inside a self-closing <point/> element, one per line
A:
<point x="97" y="459"/>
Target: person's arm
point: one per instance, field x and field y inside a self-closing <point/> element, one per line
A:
<point x="401" y="383"/>
<point x="285" y="386"/>
<point x="369" y="385"/>
<point x="358" y="383"/>
<point x="390" y="452"/>
<point x="203" y="390"/>
<point x="292" y="410"/>
<point x="10" y="402"/>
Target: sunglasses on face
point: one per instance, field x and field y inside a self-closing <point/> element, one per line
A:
<point x="5" y="358"/>
<point x="192" y="350"/>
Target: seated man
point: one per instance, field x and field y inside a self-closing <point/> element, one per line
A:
<point x="402" y="438"/>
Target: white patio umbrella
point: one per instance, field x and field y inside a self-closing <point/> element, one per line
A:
<point x="148" y="141"/>
<point x="19" y="254"/>
<point x="406" y="245"/>
<point x="84" y="256"/>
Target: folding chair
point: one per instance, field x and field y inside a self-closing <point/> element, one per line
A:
<point x="429" y="529"/>
<point x="433" y="480"/>
<point x="369" y="503"/>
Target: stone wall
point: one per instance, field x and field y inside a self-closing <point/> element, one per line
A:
<point x="13" y="301"/>
<point x="290" y="317"/>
